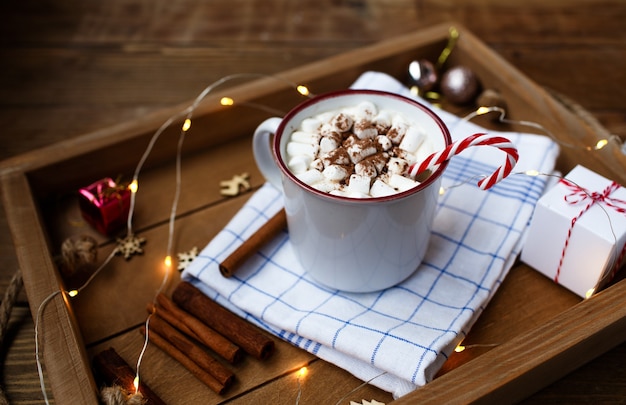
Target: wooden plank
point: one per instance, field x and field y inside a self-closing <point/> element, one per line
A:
<point x="63" y="349"/>
<point x="20" y="356"/>
<point x="526" y="98"/>
<point x="535" y="359"/>
<point x="175" y="385"/>
<point x="513" y="311"/>
<point x="200" y="188"/>
<point x="241" y="21"/>
<point x="126" y="287"/>
<point x="321" y="382"/>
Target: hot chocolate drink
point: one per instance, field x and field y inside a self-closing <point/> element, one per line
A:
<point x="358" y="151"/>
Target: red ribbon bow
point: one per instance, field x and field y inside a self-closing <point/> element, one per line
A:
<point x="100" y="192"/>
<point x="579" y="195"/>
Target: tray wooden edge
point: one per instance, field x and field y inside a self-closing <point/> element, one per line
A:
<point x="62" y="350"/>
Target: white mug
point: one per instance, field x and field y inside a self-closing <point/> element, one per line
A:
<point x="353" y="244"/>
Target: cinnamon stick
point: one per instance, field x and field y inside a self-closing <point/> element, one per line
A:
<point x="159" y="326"/>
<point x="205" y="334"/>
<point x="247" y="336"/>
<point x="115" y="371"/>
<point x="172" y="320"/>
<point x="248" y="248"/>
<point x="193" y="368"/>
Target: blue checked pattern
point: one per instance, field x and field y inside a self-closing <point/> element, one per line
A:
<point x="400" y="336"/>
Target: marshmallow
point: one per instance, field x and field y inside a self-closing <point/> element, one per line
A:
<point x="336" y="157"/>
<point x="360" y="150"/>
<point x="401" y="183"/>
<point x="366" y="109"/>
<point x="379" y="160"/>
<point x="297" y="148"/>
<point x="311" y="177"/>
<point x="335" y="173"/>
<point x="366" y="168"/>
<point x="317" y="164"/>
<point x="412" y="140"/>
<point x="381" y="189"/>
<point x="383" y="121"/>
<point x="327" y="130"/>
<point x="311" y="125"/>
<point x="349" y="141"/>
<point x="424" y="151"/>
<point x="328" y="144"/>
<point x="359" y="184"/>
<point x="397" y="166"/>
<point x="384" y="142"/>
<point x="325" y="117"/>
<point x="396" y="132"/>
<point x="364" y="129"/>
<point x="358" y="195"/>
<point x="326" y="186"/>
<point x="408" y="157"/>
<point x="342" y="122"/>
<point x="305" y="137"/>
<point x="299" y="164"/>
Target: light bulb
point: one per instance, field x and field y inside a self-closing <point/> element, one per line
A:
<point x="303" y="90"/>
<point x="133" y="186"/>
<point x="186" y="125"/>
<point x="302" y="372"/>
<point x="227" y="101"/>
<point x="601" y="144"/>
<point x="482" y="110"/>
<point x="532" y="172"/>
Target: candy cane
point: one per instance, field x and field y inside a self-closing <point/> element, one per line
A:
<point x="459" y="146"/>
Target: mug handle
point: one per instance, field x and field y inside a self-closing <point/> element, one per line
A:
<point x="262" y="149"/>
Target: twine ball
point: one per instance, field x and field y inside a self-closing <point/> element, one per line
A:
<point x="116" y="395"/>
<point x="79" y="253"/>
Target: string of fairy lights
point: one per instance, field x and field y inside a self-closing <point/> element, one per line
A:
<point x="133" y="187"/>
<point x="186" y="116"/>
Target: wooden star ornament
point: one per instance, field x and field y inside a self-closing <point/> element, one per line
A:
<point x="234" y="186"/>
<point x="185" y="258"/>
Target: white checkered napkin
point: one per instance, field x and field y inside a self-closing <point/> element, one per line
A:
<point x="405" y="332"/>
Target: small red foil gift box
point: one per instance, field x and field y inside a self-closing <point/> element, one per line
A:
<point x="105" y="205"/>
<point x="577" y="235"/>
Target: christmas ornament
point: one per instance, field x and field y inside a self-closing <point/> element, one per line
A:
<point x="423" y="75"/>
<point x="459" y="85"/>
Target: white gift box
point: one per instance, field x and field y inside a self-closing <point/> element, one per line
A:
<point x="578" y="231"/>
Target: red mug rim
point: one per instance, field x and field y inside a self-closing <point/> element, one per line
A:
<point x="319" y="98"/>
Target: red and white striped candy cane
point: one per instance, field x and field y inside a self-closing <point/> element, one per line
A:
<point x="459" y="146"/>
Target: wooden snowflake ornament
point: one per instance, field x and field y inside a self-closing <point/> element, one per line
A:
<point x="129" y="246"/>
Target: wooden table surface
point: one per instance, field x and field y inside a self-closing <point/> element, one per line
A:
<point x="72" y="67"/>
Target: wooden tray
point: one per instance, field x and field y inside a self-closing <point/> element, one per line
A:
<point x="532" y="333"/>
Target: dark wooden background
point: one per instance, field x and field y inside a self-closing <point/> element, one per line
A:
<point x="69" y="67"/>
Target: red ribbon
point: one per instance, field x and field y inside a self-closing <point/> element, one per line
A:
<point x="579" y="195"/>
